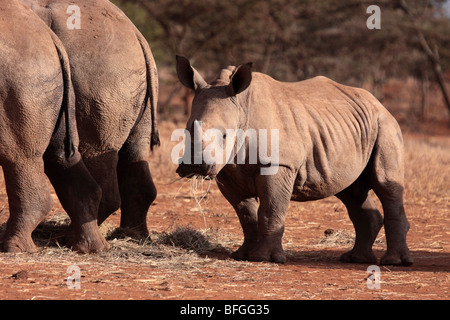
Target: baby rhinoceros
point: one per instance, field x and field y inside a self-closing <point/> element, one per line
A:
<point x="330" y="139"/>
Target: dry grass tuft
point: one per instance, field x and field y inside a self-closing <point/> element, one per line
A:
<point x="121" y="233"/>
<point x="199" y="192"/>
<point x="51" y="232"/>
<point x="190" y="239"/>
<point x="339" y="238"/>
<point x="184" y="248"/>
<point x="197" y="187"/>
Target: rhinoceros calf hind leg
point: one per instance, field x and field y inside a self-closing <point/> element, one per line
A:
<point x="396" y="226"/>
<point x="29" y="201"/>
<point x="367" y="221"/>
<point x="388" y="184"/>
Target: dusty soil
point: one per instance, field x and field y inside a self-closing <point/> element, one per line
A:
<point x="198" y="266"/>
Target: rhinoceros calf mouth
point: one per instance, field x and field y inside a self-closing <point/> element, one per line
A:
<point x="191" y="170"/>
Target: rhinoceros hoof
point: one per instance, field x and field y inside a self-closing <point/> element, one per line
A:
<point x="91" y="246"/>
<point x="90" y="242"/>
<point x="18" y="245"/>
<point x="276" y="256"/>
<point x="354" y="256"/>
<point x="240" y="255"/>
<point x="243" y="254"/>
<point x="396" y="259"/>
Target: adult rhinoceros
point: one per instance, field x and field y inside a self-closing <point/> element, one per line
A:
<point x="38" y="132"/>
<point x="333" y="140"/>
<point x="115" y="82"/>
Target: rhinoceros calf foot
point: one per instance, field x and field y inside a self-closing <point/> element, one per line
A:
<point x="265" y="253"/>
<point x="241" y="254"/>
<point x="257" y="253"/>
<point x="19" y="244"/>
<point x="262" y="256"/>
<point x="355" y="256"/>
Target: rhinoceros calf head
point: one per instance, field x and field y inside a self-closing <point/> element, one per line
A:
<point x="215" y="115"/>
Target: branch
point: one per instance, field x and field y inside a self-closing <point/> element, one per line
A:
<point x="432" y="56"/>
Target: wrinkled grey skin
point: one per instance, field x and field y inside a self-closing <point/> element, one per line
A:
<point x="334" y="140"/>
<point x="115" y="83"/>
<point x="38" y="132"/>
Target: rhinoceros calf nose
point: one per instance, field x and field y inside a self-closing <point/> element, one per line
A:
<point x="189" y="170"/>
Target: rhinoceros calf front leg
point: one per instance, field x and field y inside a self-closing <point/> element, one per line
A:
<point x="274" y="192"/>
<point x="246" y="207"/>
<point x="366" y="219"/>
<point x="247" y="211"/>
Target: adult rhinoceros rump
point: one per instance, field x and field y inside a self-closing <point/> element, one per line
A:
<point x="334" y="140"/>
<point x="115" y="83"/>
<point x="36" y="117"/>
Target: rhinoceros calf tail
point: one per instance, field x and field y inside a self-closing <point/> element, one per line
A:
<point x="152" y="87"/>
<point x="69" y="148"/>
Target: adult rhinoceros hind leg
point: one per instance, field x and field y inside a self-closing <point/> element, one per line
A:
<point x="137" y="190"/>
<point x="103" y="168"/>
<point x="80" y="195"/>
<point x="366" y="219"/>
<point x="29" y="201"/>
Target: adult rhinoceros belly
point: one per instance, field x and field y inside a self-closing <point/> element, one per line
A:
<point x="338" y="134"/>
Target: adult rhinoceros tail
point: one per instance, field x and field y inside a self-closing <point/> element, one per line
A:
<point x="152" y="87"/>
<point x="69" y="148"/>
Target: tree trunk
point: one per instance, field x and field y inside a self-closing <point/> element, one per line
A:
<point x="432" y="56"/>
<point x="424" y="103"/>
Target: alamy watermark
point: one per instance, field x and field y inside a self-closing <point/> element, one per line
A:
<point x="74" y="280"/>
<point x="374" y="278"/>
<point x="374" y="20"/>
<point x="74" y="21"/>
<point x="217" y="147"/>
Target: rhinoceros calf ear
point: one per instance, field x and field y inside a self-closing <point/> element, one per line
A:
<point x="241" y="78"/>
<point x="188" y="76"/>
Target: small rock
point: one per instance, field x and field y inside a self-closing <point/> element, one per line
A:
<point x="328" y="232"/>
<point x="21" y="275"/>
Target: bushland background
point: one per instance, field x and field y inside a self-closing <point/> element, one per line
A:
<point x="293" y="40"/>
